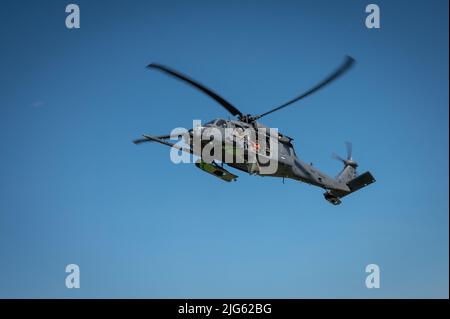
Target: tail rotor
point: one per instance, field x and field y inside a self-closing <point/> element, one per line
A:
<point x="349" y="171"/>
<point x="349" y="160"/>
<point x="349" y="177"/>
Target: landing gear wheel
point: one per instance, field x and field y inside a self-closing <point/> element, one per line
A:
<point x="332" y="198"/>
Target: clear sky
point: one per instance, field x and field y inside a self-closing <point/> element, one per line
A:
<point x="74" y="189"/>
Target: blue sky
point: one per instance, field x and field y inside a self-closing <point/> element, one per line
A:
<point x="74" y="189"/>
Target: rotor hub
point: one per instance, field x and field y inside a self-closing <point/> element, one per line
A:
<point x="351" y="163"/>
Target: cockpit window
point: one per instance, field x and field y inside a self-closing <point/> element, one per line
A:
<point x="221" y="123"/>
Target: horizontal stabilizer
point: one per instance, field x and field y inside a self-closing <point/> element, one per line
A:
<point x="334" y="196"/>
<point x="361" y="181"/>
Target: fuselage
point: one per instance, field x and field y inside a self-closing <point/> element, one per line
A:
<point x="266" y="145"/>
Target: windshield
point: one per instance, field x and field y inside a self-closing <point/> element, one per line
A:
<point x="210" y="123"/>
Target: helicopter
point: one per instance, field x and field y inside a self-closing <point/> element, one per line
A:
<point x="274" y="147"/>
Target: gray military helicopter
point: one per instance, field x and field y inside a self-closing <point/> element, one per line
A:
<point x="288" y="164"/>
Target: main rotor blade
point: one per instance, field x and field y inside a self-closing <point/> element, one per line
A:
<point x="143" y="140"/>
<point x="337" y="157"/>
<point x="349" y="61"/>
<point x="227" y="105"/>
